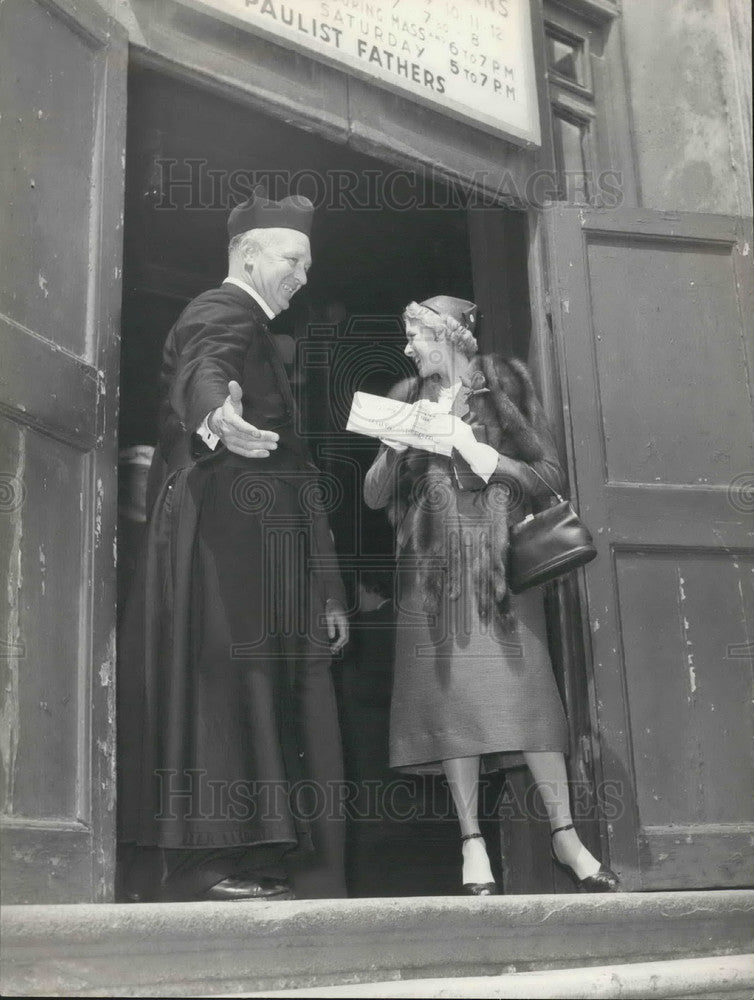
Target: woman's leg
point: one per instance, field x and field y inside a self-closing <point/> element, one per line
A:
<point x="463" y="778"/>
<point x="549" y="771"/>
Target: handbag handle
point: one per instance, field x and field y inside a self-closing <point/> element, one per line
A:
<point x="550" y="488"/>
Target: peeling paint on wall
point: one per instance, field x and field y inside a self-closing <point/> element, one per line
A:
<point x="688" y="642"/>
<point x="691" y="151"/>
<point x="13" y="645"/>
<point x="99" y="500"/>
<point x="106" y="747"/>
<point x="690" y="148"/>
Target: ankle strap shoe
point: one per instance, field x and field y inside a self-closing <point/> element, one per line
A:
<point x="605" y="880"/>
<point x="478" y="888"/>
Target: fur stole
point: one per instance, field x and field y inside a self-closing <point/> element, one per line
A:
<point x="456" y="535"/>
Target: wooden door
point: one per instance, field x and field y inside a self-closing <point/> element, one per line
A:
<point x="62" y="134"/>
<point x="653" y="321"/>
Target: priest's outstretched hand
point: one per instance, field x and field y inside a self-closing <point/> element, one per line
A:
<point x="236" y="434"/>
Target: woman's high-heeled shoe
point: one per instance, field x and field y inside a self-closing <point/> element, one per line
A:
<point x="604" y="880"/>
<point x="478" y="888"/>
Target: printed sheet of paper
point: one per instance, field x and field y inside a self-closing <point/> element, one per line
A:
<point x="413" y="424"/>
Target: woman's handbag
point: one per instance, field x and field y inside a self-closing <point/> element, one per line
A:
<point x="546" y="545"/>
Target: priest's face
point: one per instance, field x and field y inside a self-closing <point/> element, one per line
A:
<point x="278" y="269"/>
<point x="430" y="356"/>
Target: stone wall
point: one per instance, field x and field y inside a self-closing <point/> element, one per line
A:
<point x="689" y="73"/>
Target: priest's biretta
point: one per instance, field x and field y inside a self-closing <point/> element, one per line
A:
<point x="260" y="212"/>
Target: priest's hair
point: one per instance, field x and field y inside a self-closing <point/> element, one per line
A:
<point x="254" y="240"/>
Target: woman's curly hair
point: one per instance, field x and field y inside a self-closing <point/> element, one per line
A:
<point x="443" y="327"/>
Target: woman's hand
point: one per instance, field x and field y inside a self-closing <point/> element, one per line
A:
<point x="449" y="431"/>
<point x="463" y="439"/>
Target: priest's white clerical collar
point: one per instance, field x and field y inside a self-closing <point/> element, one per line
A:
<point x="253" y="293"/>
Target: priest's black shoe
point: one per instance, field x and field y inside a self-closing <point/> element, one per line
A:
<point x="262" y="888"/>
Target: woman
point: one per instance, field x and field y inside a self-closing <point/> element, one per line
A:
<point x="473" y="679"/>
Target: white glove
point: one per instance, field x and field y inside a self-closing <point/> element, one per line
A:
<point x="452" y="432"/>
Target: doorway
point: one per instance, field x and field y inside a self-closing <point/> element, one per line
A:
<point x="382" y="237"/>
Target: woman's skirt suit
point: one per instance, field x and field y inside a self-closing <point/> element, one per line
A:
<point x="467" y="683"/>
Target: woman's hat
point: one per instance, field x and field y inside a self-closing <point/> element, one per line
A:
<point x="259" y="212"/>
<point x="461" y="310"/>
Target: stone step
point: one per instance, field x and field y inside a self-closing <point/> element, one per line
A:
<point x="728" y="977"/>
<point x="185" y="949"/>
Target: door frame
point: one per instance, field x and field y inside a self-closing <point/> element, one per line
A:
<point x="155" y="50"/>
<point x="533" y="871"/>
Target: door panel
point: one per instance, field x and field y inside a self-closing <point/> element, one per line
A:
<point x="684" y="588"/>
<point x="61" y="170"/>
<point x="653" y="315"/>
<point x="55" y="127"/>
<point x="47" y="682"/>
<point x="679" y="344"/>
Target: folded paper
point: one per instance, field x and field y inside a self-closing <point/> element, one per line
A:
<point x="418" y="425"/>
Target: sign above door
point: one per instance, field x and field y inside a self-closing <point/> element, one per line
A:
<point x="472" y="61"/>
